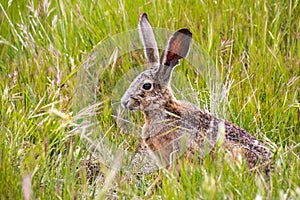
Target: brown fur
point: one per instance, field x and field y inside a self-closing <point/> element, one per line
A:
<point x="176" y="128"/>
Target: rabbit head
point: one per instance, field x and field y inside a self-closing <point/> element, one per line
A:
<point x="150" y="90"/>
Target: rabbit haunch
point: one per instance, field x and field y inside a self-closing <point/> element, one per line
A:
<point x="174" y="127"/>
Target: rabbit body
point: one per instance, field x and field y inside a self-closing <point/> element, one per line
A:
<point x="176" y="128"/>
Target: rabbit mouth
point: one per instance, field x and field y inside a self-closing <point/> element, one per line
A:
<point x="132" y="104"/>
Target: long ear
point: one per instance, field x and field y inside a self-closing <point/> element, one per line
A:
<point x="147" y="36"/>
<point x="177" y="47"/>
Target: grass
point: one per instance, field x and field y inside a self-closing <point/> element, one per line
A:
<point x="254" y="44"/>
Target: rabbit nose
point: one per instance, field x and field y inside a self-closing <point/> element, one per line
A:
<point x="124" y="103"/>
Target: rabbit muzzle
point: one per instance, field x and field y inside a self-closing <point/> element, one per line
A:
<point x="130" y="103"/>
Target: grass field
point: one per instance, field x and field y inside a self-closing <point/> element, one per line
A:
<point x="43" y="45"/>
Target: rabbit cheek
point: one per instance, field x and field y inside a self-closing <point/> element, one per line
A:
<point x="146" y="102"/>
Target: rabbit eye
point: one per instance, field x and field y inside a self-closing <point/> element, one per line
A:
<point x="147" y="86"/>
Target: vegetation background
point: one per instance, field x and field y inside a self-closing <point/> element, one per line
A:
<point x="255" y="44"/>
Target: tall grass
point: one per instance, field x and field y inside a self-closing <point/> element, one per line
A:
<point x="254" y="44"/>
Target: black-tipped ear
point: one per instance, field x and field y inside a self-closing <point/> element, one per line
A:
<point x="177" y="47"/>
<point x="148" y="38"/>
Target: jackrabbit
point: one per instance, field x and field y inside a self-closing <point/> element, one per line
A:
<point x="173" y="128"/>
